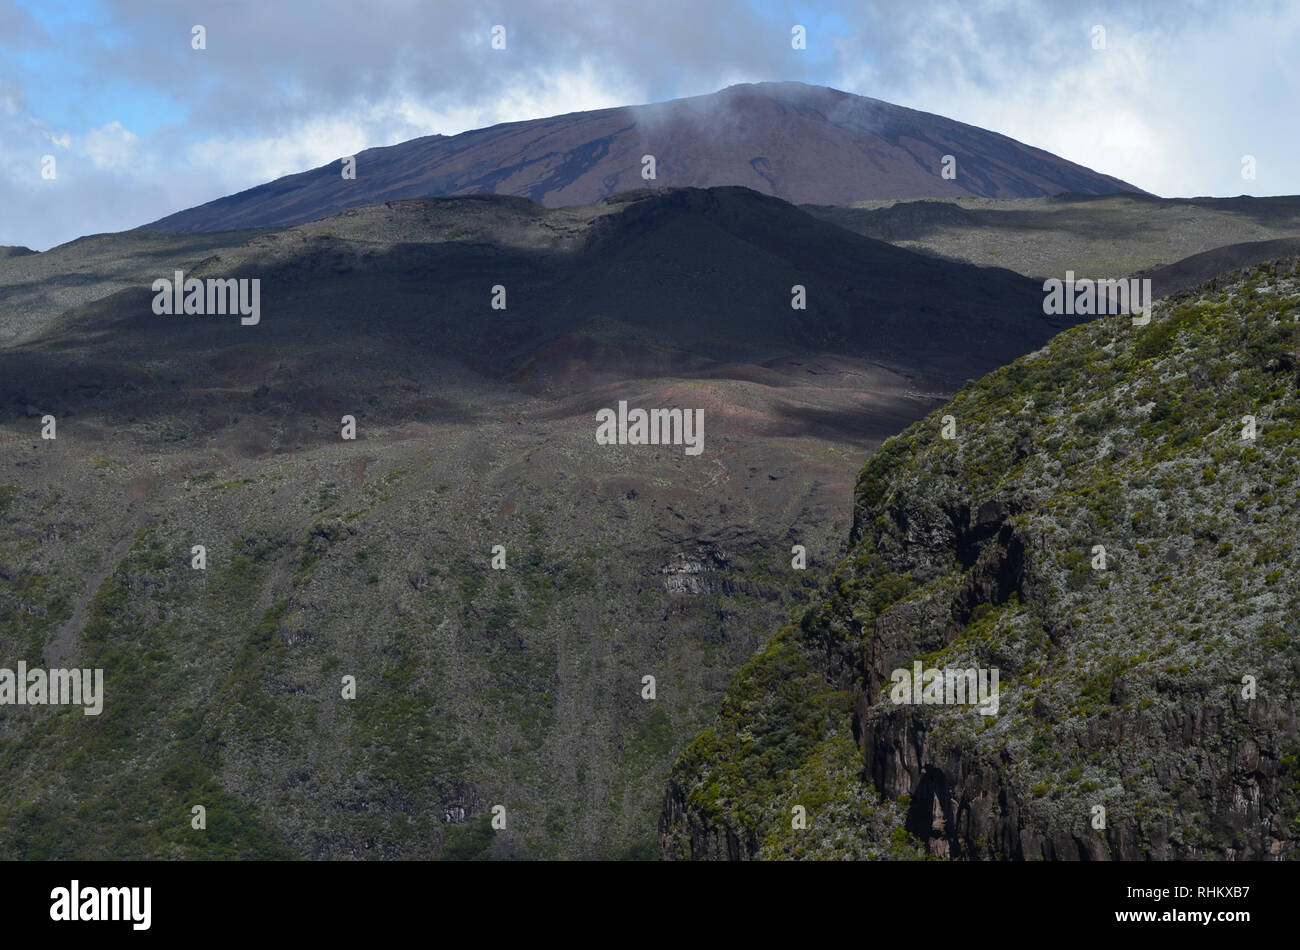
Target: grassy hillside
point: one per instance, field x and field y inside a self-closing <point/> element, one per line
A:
<point x="371" y="558"/>
<point x="1095" y="236"/>
<point x="1161" y="687"/>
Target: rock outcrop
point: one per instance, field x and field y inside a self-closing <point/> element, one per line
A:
<point x="1111" y="529"/>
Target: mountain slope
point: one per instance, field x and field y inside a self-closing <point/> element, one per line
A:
<point x="805" y="144"/>
<point x="1198" y="268"/>
<point x="703" y="274"/>
<point x="1094" y="236"/>
<point x="1147" y="699"/>
<point x="371" y="558"/>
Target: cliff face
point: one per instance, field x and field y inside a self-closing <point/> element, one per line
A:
<point x="1107" y="533"/>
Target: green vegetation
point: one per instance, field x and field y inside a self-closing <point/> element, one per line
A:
<point x="470" y="842"/>
<point x="7" y="495"/>
<point x="144" y="812"/>
<point x="1126" y="437"/>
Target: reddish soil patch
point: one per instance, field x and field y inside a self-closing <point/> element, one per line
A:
<point x="358" y="470"/>
<point x="415" y="430"/>
<point x="142" y="488"/>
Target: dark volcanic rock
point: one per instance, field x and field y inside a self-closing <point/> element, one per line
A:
<point x="806" y="144"/>
<point x="1146" y="708"/>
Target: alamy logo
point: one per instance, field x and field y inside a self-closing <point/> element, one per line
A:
<point x="1087" y="297"/>
<point x="653" y="427"/>
<point x="103" y="903"/>
<point x="951" y="686"/>
<point x="36" y="687"/>
<point x="215" y="296"/>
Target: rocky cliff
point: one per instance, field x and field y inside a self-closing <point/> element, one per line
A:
<point x="1108" y="523"/>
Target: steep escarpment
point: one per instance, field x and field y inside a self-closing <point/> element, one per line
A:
<point x="1110" y="525"/>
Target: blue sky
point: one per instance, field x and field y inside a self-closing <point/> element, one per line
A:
<point x="67" y="91"/>
<point x="141" y="125"/>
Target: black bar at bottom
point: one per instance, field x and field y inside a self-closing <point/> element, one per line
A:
<point x="305" y="900"/>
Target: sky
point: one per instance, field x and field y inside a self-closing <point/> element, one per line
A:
<point x="141" y="124"/>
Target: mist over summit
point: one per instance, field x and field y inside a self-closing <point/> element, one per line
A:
<point x="804" y="144"/>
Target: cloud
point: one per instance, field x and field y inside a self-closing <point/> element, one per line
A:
<point x="111" y="147"/>
<point x="1180" y="93"/>
<point x="1171" y="104"/>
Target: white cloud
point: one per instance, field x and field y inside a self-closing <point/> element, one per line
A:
<point x="1171" y="105"/>
<point x="238" y="163"/>
<point x="1170" y="109"/>
<point x="113" y="146"/>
